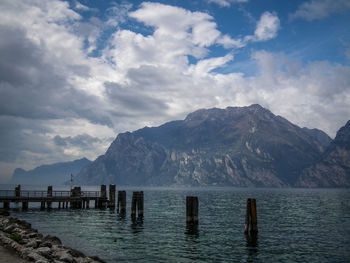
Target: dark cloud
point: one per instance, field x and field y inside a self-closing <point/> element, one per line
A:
<point x="20" y="136"/>
<point x="134" y="100"/>
<point x="83" y="141"/>
<point x="32" y="87"/>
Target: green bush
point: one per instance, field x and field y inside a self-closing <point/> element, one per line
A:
<point x="16" y="237"/>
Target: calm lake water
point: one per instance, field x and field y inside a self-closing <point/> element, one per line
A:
<point x="295" y="225"/>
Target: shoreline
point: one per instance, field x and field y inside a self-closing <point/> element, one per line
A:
<point x="20" y="242"/>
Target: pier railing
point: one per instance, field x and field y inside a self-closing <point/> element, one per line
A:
<point x="33" y="194"/>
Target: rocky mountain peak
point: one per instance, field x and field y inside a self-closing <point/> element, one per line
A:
<point x="343" y="136"/>
<point x="241" y="146"/>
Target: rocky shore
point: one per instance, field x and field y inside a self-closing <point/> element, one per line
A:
<point x="18" y="236"/>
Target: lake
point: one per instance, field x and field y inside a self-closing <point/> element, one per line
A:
<point x="295" y="225"/>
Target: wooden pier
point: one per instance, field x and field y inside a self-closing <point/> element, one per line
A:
<point x="73" y="199"/>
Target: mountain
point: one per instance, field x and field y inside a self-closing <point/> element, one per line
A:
<point x="236" y="146"/>
<point x="53" y="174"/>
<point x="333" y="170"/>
<point x="319" y="135"/>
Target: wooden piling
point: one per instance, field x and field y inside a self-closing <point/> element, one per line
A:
<point x="24" y="205"/>
<point x="111" y="202"/>
<point x="121" y="206"/>
<point x="49" y="194"/>
<point x="192" y="210"/>
<point x="137" y="203"/>
<point x="6" y="205"/>
<point x="103" y="196"/>
<point x="133" y="205"/>
<point x="103" y="191"/>
<point x="42" y="205"/>
<point x="140" y="204"/>
<point x="18" y="191"/>
<point x="251" y="221"/>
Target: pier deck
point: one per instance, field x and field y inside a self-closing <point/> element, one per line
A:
<point x="76" y="198"/>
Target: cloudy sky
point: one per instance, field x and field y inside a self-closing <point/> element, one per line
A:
<point x="75" y="74"/>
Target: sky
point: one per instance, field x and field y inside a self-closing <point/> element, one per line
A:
<point x="74" y="74"/>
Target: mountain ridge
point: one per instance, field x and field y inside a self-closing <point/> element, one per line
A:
<point x="48" y="173"/>
<point x="236" y="146"/>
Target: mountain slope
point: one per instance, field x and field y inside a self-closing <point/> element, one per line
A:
<point x="333" y="170"/>
<point x="54" y="174"/>
<point x="240" y="146"/>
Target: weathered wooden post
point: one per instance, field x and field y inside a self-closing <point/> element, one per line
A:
<point x="103" y="196"/>
<point x="18" y="191"/>
<point x="133" y="205"/>
<point x="121" y="206"/>
<point x="75" y="194"/>
<point x="192" y="210"/>
<point x="111" y="202"/>
<point x="251" y="221"/>
<point x="49" y="194"/>
<point x="79" y="204"/>
<point x="42" y="205"/>
<point x="24" y="205"/>
<point x="137" y="202"/>
<point x="140" y="204"/>
<point x="6" y="205"/>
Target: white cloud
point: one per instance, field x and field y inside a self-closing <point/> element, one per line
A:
<point x="80" y="6"/>
<point x="199" y="26"/>
<point x="227" y="42"/>
<point x="319" y="9"/>
<point x="267" y="27"/>
<point x="117" y="14"/>
<point x="226" y="3"/>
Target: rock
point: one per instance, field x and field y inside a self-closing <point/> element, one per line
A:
<point x="32" y="235"/>
<point x="37" y="248"/>
<point x="45" y="244"/>
<point x="83" y="260"/>
<point x="44" y="251"/>
<point x="64" y="256"/>
<point x="95" y="258"/>
<point x="36" y="257"/>
<point x="32" y="244"/>
<point x="9" y="229"/>
<point x="75" y="253"/>
<point x="4" y="212"/>
<point x="52" y="239"/>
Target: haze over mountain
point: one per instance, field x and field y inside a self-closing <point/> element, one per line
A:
<point x="236" y="146"/>
<point x="51" y="174"/>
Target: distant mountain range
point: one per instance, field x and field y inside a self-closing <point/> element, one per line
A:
<point x="236" y="146"/>
<point x="52" y="174"/>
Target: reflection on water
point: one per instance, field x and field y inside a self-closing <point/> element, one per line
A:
<point x="192" y="230"/>
<point x="137" y="224"/>
<point x="252" y="242"/>
<point x="121" y="216"/>
<point x="287" y="221"/>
